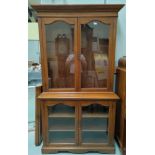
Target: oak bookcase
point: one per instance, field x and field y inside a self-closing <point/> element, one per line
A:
<point x="75" y="107"/>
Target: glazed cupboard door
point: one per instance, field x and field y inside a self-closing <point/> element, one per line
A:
<point x="96" y="123"/>
<point x="96" y="53"/>
<point x="58" y="53"/>
<point x="61" y="123"/>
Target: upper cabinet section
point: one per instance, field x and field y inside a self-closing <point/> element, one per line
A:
<point x="77" y="45"/>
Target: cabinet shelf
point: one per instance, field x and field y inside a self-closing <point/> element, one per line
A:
<point x="61" y="137"/>
<point x="63" y="141"/>
<point x="63" y="115"/>
<point x="59" y="128"/>
<point x="95" y="115"/>
<point x="92" y="137"/>
<point x="94" y="141"/>
<point x="87" y="140"/>
<point x="95" y="129"/>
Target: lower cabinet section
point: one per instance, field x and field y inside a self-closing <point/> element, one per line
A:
<point x="78" y="126"/>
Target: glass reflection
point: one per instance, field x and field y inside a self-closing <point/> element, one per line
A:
<point x="60" y="47"/>
<point x="94" y="48"/>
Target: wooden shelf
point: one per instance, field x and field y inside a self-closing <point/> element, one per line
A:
<point x="92" y="128"/>
<point x="95" y="140"/>
<point x="78" y="95"/>
<point x="64" y="115"/>
<point x="62" y="141"/>
<point x="95" y="115"/>
<point x="60" y="128"/>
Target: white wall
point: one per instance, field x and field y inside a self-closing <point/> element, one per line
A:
<point x="121" y="30"/>
<point x="33" y="42"/>
<point x="33" y="32"/>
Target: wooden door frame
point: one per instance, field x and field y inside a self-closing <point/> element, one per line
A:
<point x="42" y="22"/>
<point x="48" y="103"/>
<point x="111" y="52"/>
<point x="111" y="119"/>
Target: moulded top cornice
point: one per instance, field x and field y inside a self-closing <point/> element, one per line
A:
<point x="78" y="8"/>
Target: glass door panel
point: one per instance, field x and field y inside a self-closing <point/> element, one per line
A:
<point x="94" y="54"/>
<point x="94" y="124"/>
<point x="61" y="124"/>
<point x="60" y="54"/>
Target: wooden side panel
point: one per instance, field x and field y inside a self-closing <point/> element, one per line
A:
<point x="112" y="53"/>
<point x="120" y="131"/>
<point x="112" y="122"/>
<point x="43" y="58"/>
<point x="38" y="124"/>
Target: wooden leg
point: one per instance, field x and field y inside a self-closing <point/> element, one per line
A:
<point x="38" y="126"/>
